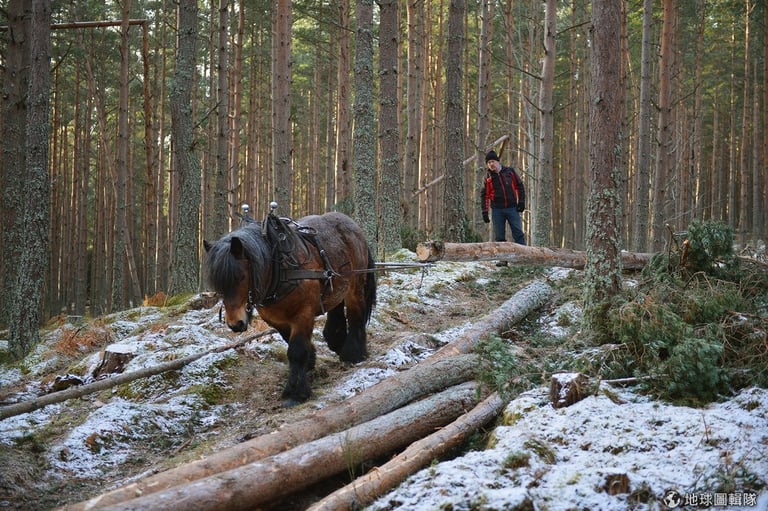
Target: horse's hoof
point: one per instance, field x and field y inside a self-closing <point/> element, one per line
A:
<point x="290" y="403"/>
<point x="294" y="397"/>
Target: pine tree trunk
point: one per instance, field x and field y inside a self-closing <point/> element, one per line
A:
<point x="282" y="165"/>
<point x="364" y="127"/>
<point x="27" y="289"/>
<point x="414" y="79"/>
<point x="455" y="222"/>
<point x="14" y="118"/>
<point x="642" y="173"/>
<point x="390" y="214"/>
<point x="662" y="184"/>
<point x="186" y="265"/>
<point x="542" y="207"/>
<point x="606" y="147"/>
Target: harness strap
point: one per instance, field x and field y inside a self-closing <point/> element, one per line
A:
<point x="286" y="272"/>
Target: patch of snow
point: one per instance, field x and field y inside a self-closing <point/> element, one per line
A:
<point x="109" y="435"/>
<point x="557" y="273"/>
<point x="558" y="322"/>
<point x="361" y="379"/>
<point x="561" y="459"/>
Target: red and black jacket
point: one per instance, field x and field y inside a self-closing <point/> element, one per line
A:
<point x="503" y="190"/>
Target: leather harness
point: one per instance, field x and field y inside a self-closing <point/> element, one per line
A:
<point x="286" y="237"/>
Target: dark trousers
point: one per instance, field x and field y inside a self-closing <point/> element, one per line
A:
<point x="500" y="217"/>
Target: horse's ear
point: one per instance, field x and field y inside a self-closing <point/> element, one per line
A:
<point x="236" y="248"/>
<point x="207" y="245"/>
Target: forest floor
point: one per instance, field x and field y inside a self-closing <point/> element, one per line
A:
<point x="71" y="451"/>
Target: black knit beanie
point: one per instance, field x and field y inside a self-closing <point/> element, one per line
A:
<point x="491" y="156"/>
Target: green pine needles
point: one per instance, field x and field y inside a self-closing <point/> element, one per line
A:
<point x="693" y="328"/>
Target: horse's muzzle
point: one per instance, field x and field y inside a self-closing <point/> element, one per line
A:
<point x="238" y="326"/>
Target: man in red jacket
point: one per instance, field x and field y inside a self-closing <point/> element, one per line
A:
<point x="503" y="194"/>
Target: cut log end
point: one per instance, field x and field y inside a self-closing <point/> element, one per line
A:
<point x="430" y="251"/>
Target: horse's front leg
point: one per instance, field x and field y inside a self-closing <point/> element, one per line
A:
<point x="301" y="359"/>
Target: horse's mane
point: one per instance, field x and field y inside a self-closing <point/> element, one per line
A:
<point x="223" y="270"/>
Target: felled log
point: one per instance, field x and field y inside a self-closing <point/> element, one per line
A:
<point x="266" y="480"/>
<point x="431" y="251"/>
<point x="397" y="390"/>
<point x="97" y="386"/>
<point x="499" y="320"/>
<point x="363" y="490"/>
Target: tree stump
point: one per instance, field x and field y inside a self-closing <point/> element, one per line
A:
<point x="567" y="388"/>
<point x="114" y="360"/>
<point x="616" y="484"/>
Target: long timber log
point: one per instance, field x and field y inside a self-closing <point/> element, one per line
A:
<point x="431" y="251"/>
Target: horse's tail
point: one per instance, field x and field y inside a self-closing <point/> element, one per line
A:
<point x="370" y="287"/>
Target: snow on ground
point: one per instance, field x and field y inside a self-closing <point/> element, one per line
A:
<point x="565" y="459"/>
<point x="543" y="459"/>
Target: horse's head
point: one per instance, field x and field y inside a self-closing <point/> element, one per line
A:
<point x="231" y="261"/>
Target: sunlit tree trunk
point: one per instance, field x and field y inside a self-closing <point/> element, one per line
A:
<point x="483" y="105"/>
<point x="414" y="89"/>
<point x="390" y="217"/>
<point x="282" y="142"/>
<point x="344" y="128"/>
<point x="639" y="240"/>
<point x="662" y="185"/>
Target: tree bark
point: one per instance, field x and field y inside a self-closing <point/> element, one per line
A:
<point x="431" y="251"/>
<point x="483" y="104"/>
<point x="282" y="141"/>
<point x="542" y="205"/>
<point x="455" y="221"/>
<point x="364" y="127"/>
<point x="363" y="490"/>
<point x="185" y="250"/>
<point x="415" y="72"/>
<point x="251" y="484"/>
<point x="28" y="279"/>
<point x="642" y="177"/>
<point x="606" y="147"/>
<point x="389" y="211"/>
<point x="662" y="182"/>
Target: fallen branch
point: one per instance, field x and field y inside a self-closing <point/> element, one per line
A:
<point x="260" y="482"/>
<point x="74" y="392"/>
<point x="431" y="251"/>
<point x="363" y="490"/>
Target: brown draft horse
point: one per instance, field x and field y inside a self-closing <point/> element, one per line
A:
<point x="292" y="272"/>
